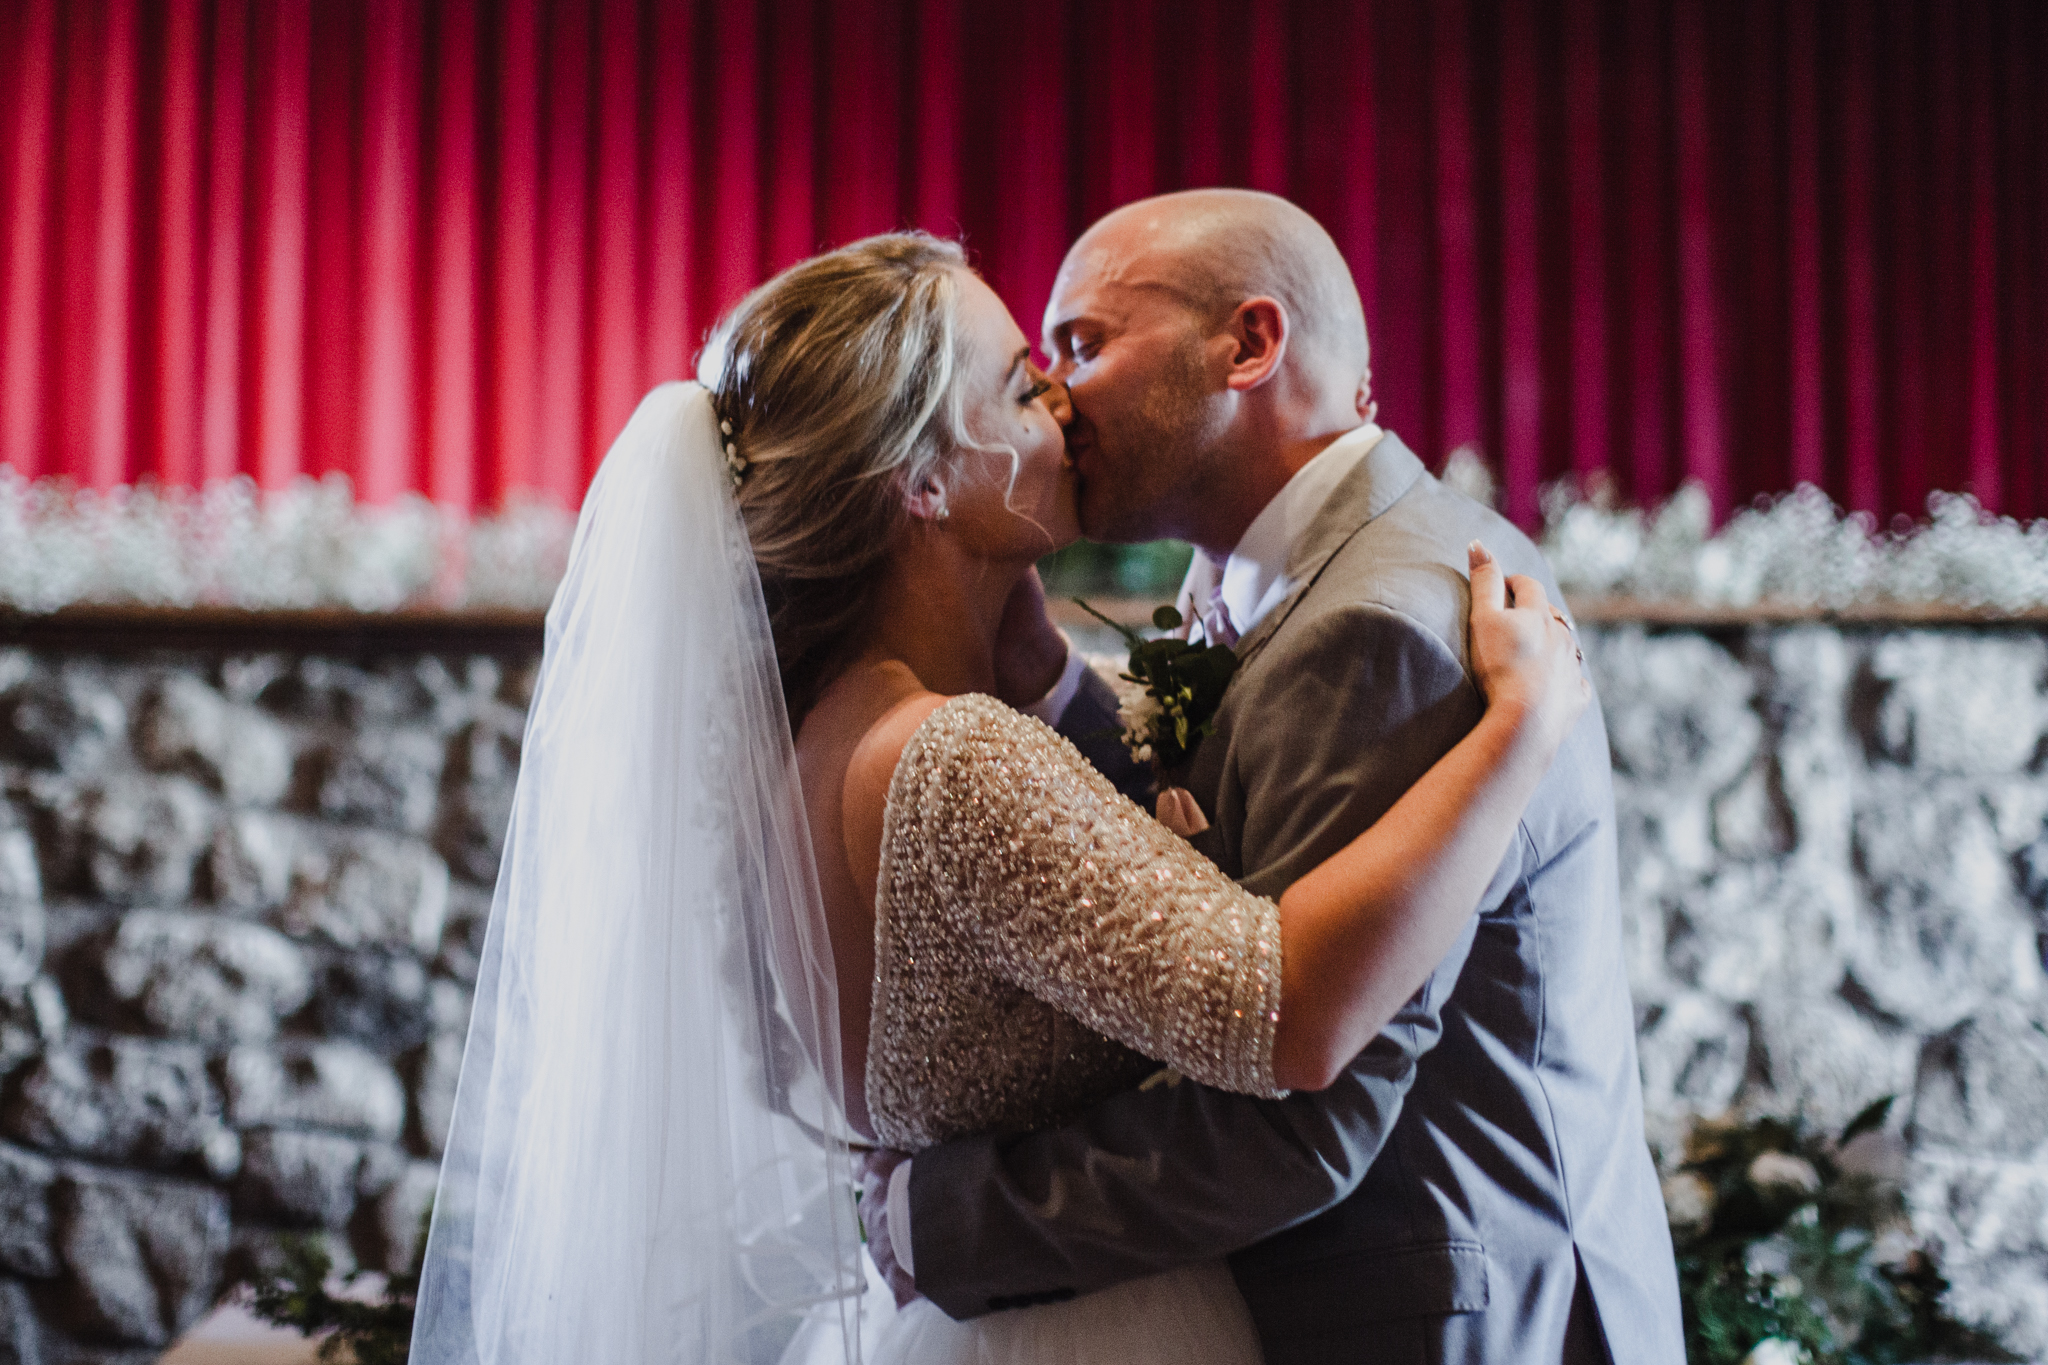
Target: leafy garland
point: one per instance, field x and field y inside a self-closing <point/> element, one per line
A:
<point x="361" y="1332"/>
<point x="1789" y="1251"/>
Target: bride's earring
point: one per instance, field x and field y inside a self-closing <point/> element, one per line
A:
<point x="934" y="497"/>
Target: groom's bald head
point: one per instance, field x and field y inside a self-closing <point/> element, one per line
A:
<point x="1211" y="339"/>
<point x="1216" y="248"/>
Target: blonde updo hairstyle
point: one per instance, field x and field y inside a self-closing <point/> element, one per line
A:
<point x="841" y="380"/>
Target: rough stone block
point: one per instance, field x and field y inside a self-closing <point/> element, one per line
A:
<point x="1693" y="1051"/>
<point x="1752" y="819"/>
<point x="1826" y="1060"/>
<point x="387" y="1231"/>
<point x="1989" y="1219"/>
<point x="377" y="888"/>
<point x="20" y="1333"/>
<point x="432" y="1072"/>
<point x="25" y="1181"/>
<point x="1984" y="1086"/>
<point x="1955" y="702"/>
<point x="60" y="718"/>
<point x="2030" y="867"/>
<point x="141" y="1256"/>
<point x="124" y="838"/>
<point x="127" y="1100"/>
<point x="20" y="880"/>
<point x="32" y="1017"/>
<point x="334" y="690"/>
<point x="217" y="980"/>
<point x="1678" y="709"/>
<point x="1940" y="928"/>
<point x="2008" y="1296"/>
<point x="1664" y="841"/>
<point x="384" y="777"/>
<point x="186" y="726"/>
<point x="377" y="997"/>
<point x="2018" y="807"/>
<point x="1753" y="930"/>
<point x="333" y="1085"/>
<point x="298" y="1177"/>
<point x="469" y="917"/>
<point x="252" y="860"/>
<point x="476" y="802"/>
<point x="22" y="928"/>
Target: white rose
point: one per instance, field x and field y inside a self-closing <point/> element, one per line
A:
<point x="1894" y="1247"/>
<point x="1776" y="1351"/>
<point x="1138" y="714"/>
<point x="1688" y="1202"/>
<point x="1782" y="1170"/>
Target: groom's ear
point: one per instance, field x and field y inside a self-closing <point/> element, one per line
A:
<point x="1258" y="331"/>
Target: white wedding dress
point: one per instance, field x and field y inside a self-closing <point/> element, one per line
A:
<point x="1039" y="941"/>
<point x="649" y="1161"/>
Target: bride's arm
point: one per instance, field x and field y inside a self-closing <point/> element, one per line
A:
<point x="1361" y="932"/>
<point x="1079" y="899"/>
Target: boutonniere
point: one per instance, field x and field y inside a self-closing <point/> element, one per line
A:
<point x="1182" y="687"/>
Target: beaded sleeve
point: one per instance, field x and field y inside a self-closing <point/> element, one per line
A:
<point x="1068" y="891"/>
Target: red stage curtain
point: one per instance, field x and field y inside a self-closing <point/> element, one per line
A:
<point x="444" y="246"/>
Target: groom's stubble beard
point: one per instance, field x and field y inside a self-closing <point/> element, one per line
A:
<point x="1154" y="461"/>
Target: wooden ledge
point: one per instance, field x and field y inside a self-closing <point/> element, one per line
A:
<point x="1616" y="611"/>
<point x="334" y="630"/>
<point x="1619" y="611"/>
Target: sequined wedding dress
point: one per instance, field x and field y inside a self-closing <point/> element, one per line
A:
<point x="1040" y="941"/>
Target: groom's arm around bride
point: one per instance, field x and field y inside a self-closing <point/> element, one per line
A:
<point x="1475" y="1185"/>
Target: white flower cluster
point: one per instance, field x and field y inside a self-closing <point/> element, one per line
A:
<point x="1139" y="713"/>
<point x="1798" y="550"/>
<point x="229" y="545"/>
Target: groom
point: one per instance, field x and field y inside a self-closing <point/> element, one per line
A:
<point x="1476" y="1186"/>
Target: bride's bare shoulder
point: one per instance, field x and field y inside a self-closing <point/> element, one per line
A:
<point x="865" y="719"/>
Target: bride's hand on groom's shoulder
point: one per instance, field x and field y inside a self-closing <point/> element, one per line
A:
<point x="876" y="1168"/>
<point x="1525" y="656"/>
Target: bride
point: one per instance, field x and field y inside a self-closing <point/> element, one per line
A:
<point x="784" y="880"/>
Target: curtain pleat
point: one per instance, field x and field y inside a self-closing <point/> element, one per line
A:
<point x="443" y="248"/>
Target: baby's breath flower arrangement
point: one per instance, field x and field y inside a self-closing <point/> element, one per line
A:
<point x="1793" y="1252"/>
<point x="1183" y="685"/>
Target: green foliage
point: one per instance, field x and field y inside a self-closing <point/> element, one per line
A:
<point x="1776" y="1237"/>
<point x="1149" y="570"/>
<point x="1185" y="681"/>
<point x="378" y="1332"/>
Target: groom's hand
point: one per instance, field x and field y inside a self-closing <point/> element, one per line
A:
<point x="876" y="1168"/>
<point x="1030" y="651"/>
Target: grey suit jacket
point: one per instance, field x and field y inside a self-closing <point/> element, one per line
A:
<point x="1442" y="1200"/>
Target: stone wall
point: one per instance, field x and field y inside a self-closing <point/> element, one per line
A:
<point x="241" y="900"/>
<point x="242" y="891"/>
<point x="1835" y="867"/>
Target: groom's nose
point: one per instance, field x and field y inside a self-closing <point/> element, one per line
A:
<point x="1059" y="402"/>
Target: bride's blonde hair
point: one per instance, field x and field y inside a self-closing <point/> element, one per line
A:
<point x="841" y="381"/>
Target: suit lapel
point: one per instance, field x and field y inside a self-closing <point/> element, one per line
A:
<point x="1387" y="472"/>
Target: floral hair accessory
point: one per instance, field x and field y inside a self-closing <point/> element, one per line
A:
<point x="735" y="463"/>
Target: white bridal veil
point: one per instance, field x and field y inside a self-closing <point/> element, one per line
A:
<point x="648" y="1160"/>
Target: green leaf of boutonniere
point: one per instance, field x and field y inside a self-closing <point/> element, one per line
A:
<point x="1183" y="687"/>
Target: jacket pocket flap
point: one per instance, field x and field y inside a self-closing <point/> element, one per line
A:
<point x="1423" y="1281"/>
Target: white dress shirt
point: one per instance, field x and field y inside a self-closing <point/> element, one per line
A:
<point x="1254" y="576"/>
<point x="1255" y="581"/>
